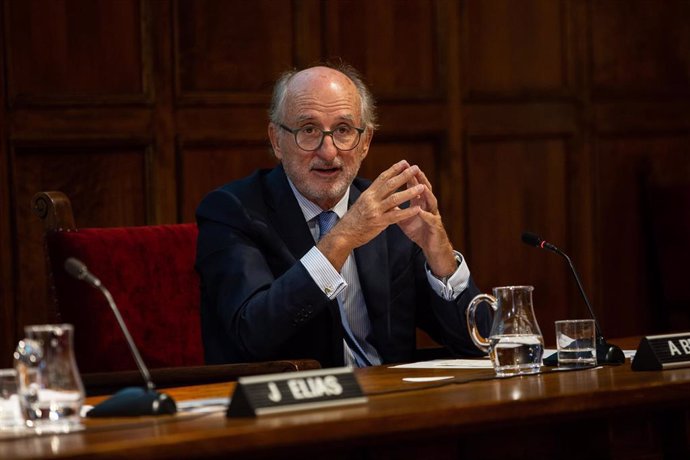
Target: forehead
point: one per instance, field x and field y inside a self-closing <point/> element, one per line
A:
<point x="321" y="93"/>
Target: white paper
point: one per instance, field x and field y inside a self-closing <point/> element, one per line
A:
<point x="426" y="379"/>
<point x="481" y="363"/>
<point x="203" y="405"/>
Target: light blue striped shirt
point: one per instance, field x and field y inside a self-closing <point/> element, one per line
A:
<point x="346" y="286"/>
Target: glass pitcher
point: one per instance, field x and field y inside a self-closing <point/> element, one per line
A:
<point x="515" y="343"/>
<point x="51" y="392"/>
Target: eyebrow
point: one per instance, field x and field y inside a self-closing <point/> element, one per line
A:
<point x="303" y="118"/>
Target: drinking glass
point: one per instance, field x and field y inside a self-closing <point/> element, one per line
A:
<point x="576" y="343"/>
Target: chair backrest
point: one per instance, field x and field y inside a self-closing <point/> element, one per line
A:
<point x="149" y="270"/>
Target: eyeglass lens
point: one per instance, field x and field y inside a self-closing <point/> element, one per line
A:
<point x="344" y="137"/>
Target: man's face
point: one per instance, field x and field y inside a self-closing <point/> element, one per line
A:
<point x="323" y="98"/>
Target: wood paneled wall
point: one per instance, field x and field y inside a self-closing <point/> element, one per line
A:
<point x="544" y="115"/>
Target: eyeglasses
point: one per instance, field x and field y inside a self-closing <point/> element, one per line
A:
<point x="310" y="138"/>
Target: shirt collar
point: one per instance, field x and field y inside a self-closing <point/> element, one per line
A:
<point x="311" y="210"/>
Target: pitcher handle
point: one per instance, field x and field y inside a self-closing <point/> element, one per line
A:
<point x="481" y="342"/>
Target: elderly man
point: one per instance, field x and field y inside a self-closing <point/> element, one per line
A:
<point x="308" y="261"/>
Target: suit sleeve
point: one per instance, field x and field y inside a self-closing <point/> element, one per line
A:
<point x="262" y="295"/>
<point x="445" y="320"/>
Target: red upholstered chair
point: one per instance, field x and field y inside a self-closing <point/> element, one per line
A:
<point x="149" y="270"/>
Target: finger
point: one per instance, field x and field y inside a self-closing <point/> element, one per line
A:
<point x="412" y="182"/>
<point x="416" y="200"/>
<point x="398" y="198"/>
<point x="385" y="184"/>
<point x="397" y="215"/>
<point x="421" y="177"/>
<point x="428" y="201"/>
<point x="393" y="171"/>
<point x="393" y="184"/>
<point x="433" y="219"/>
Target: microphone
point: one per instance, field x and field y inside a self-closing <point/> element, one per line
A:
<point x="606" y="353"/>
<point x="130" y="401"/>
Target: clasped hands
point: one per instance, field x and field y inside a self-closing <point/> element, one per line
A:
<point x="380" y="206"/>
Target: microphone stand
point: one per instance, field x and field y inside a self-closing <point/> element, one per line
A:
<point x="130" y="342"/>
<point x="131" y="401"/>
<point x="606" y="353"/>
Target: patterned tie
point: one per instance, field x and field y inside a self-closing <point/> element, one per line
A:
<point x="327" y="220"/>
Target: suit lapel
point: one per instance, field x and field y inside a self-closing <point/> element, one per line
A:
<point x="285" y="215"/>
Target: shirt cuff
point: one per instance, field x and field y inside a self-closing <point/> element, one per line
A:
<point x="323" y="273"/>
<point x="452" y="286"/>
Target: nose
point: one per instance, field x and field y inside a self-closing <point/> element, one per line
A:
<point x="328" y="150"/>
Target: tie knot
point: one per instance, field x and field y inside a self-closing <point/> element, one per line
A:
<point x="327" y="220"/>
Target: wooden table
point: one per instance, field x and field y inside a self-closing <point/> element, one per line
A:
<point x="608" y="412"/>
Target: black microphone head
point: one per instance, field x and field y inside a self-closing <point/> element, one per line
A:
<point x="532" y="239"/>
<point x="133" y="402"/>
<point x="76" y="268"/>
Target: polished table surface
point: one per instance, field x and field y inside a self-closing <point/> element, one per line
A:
<point x="610" y="410"/>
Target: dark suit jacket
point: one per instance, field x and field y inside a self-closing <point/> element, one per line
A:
<point x="258" y="302"/>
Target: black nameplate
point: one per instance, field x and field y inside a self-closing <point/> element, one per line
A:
<point x="290" y="391"/>
<point x="657" y="352"/>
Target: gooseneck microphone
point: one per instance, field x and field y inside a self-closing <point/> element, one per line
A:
<point x="128" y="401"/>
<point x="606" y="353"/>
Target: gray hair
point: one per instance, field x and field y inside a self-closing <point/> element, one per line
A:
<point x="368" y="108"/>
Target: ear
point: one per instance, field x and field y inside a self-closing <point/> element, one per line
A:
<point x="273" y="136"/>
<point x="367" y="136"/>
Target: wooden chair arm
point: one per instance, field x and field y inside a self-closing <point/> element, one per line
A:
<point x="55" y="210"/>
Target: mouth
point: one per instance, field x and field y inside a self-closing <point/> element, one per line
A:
<point x="326" y="171"/>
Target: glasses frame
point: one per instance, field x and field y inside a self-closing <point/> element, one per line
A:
<point x="324" y="133"/>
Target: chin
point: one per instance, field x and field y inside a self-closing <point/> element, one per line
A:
<point x="326" y="199"/>
<point x="320" y="191"/>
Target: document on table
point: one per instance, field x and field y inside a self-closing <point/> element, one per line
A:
<point x="480" y="363"/>
<point x="203" y="405"/>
